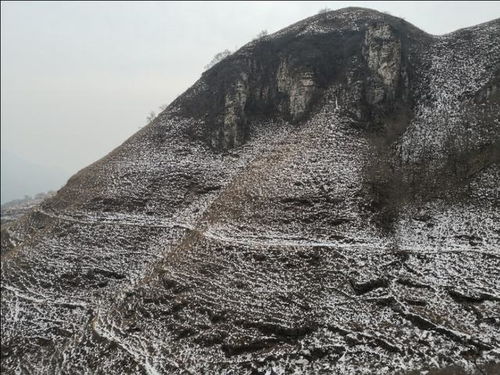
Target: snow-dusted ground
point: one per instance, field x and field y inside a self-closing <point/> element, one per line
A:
<point x="167" y="257"/>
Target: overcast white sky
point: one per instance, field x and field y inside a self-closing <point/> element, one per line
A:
<point x="78" y="78"/>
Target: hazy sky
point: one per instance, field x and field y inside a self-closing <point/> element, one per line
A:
<point x="78" y="78"/>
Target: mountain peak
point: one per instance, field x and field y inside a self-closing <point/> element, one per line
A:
<point x="287" y="74"/>
<point x="344" y="19"/>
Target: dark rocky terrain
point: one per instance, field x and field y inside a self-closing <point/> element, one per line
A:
<point x="323" y="201"/>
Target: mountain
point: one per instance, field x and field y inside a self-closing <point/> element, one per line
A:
<point x="322" y="201"/>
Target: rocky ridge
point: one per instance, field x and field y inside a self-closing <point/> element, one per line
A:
<point x="324" y="200"/>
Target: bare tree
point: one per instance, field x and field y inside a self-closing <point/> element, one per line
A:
<point x="163" y="107"/>
<point x="218" y="58"/>
<point x="261" y="35"/>
<point x="324" y="10"/>
<point x="150" y="117"/>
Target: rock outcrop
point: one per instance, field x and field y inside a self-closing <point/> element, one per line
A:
<point x="324" y="200"/>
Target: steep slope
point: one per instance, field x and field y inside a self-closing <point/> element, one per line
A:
<point x="324" y="200"/>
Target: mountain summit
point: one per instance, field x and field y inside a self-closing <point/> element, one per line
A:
<point x="323" y="201"/>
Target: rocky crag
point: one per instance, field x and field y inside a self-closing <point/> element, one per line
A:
<point x="323" y="201"/>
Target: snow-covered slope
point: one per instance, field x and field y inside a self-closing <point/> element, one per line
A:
<point x="324" y="200"/>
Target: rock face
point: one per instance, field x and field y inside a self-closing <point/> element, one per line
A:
<point x="289" y="76"/>
<point x="324" y="200"/>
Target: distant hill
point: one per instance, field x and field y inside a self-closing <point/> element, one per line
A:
<point x="21" y="177"/>
<point x="14" y="209"/>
